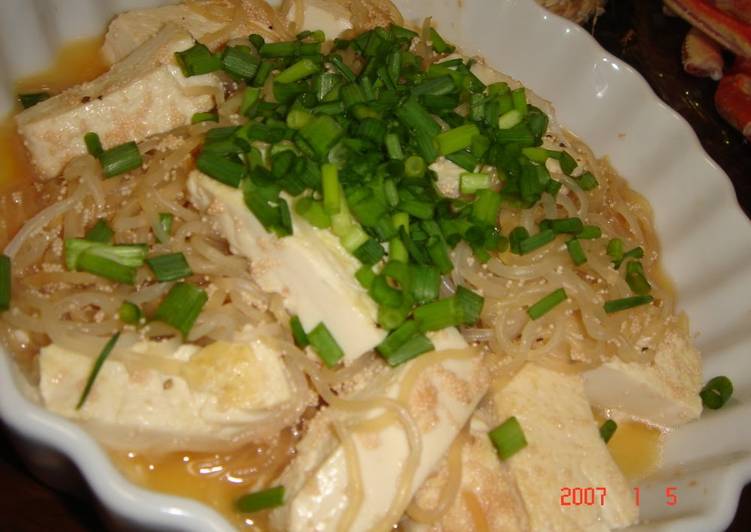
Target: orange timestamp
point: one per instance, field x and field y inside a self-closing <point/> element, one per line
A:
<point x="595" y="496"/>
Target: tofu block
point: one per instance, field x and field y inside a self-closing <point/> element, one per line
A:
<point x="310" y="269"/>
<point x="664" y="393"/>
<point x="167" y="395"/>
<point x="203" y="19"/>
<point x="487" y="498"/>
<point x="564" y="451"/>
<point x="317" y="482"/>
<point x="142" y="95"/>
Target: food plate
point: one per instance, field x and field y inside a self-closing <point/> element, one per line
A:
<point x="705" y="237"/>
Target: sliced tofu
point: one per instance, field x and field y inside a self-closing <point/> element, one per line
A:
<point x="317" y="482"/>
<point x="202" y="19"/>
<point x="663" y="393"/>
<point x="310" y="269"/>
<point x="142" y="95"/>
<point x="487" y="498"/>
<point x="564" y="451"/>
<point x="167" y="396"/>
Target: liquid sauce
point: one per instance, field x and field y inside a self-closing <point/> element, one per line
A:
<point x="215" y="479"/>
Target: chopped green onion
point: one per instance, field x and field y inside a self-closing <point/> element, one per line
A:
<point x="321" y="134"/>
<point x="98" y="363"/>
<point x="222" y="169"/>
<point x="383" y="293"/>
<point x="33" y="98"/>
<point x="516" y="237"/>
<point x="342" y="68"/>
<point x="412" y="348"/>
<point x="393" y="147"/>
<point x="115" y="262"/>
<point x="93" y="144"/>
<point x="369" y="252"/>
<point x="607" y="430"/>
<point x="426" y="283"/>
<point x="587" y="181"/>
<point x="470" y="304"/>
<point x="325" y="345"/>
<point x="279" y="49"/>
<point x="469" y="183"/>
<point x="298" y="332"/>
<point x="567" y="225"/>
<point x="538" y="155"/>
<point x="130" y="313"/>
<point x="716" y="392"/>
<point x="100" y="232"/>
<point x="169" y="267"/>
<point x="615" y="250"/>
<point x="439" y="314"/>
<point x="120" y="159"/>
<point x="353" y="238"/>
<point x="257" y="41"/>
<point x="414" y="166"/>
<point x="261" y="500"/>
<point x="414" y="116"/>
<point x="508" y="438"/>
<point x="397" y="250"/>
<point x="576" y="251"/>
<point x="485" y="209"/>
<point x="165" y="222"/>
<point x="534" y="242"/>
<point x="509" y="119"/>
<point x="298" y="118"/>
<point x="439" y="44"/>
<point x="456" y="139"/>
<point x="636" y="278"/>
<point x="568" y="163"/>
<point x="365" y="276"/>
<point x="5" y="282"/>
<point x="332" y="196"/>
<point x="204" y="117"/>
<point x="250" y="97"/>
<point x="617" y="305"/>
<point x="181" y="307"/>
<point x="547" y="303"/>
<point x="313" y="212"/>
<point x="240" y="61"/>
<point x="589" y="232"/>
<point x="197" y="60"/>
<point x="300" y="70"/>
<point x="519" y="99"/>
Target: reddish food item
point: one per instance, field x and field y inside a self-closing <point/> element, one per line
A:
<point x="740" y="9"/>
<point x="702" y="56"/>
<point x="731" y="33"/>
<point x="733" y="101"/>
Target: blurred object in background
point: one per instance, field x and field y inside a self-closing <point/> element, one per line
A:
<point x="577" y="10"/>
<point x="720" y="25"/>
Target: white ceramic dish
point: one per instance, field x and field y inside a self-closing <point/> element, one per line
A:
<point x="706" y="243"/>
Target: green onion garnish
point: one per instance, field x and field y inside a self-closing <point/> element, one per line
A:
<point x="115" y="262"/>
<point x="370" y="252"/>
<point x="615" y="250"/>
<point x="331" y="190"/>
<point x="716" y="392"/>
<point x="469" y="183"/>
<point x="439" y="44"/>
<point x="508" y="438"/>
<point x="221" y="168"/>
<point x="456" y="139"/>
<point x="439" y="314"/>
<point x="130" y="313"/>
<point x="404" y="343"/>
<point x="261" y="500"/>
<point x="534" y="242"/>
<point x="509" y="119"/>
<point x="169" y="267"/>
<point x="607" y="429"/>
<point x="414" y="166"/>
<point x="197" y="60"/>
<point x="300" y="70"/>
<point x="298" y="332"/>
<point x="93" y="144"/>
<point x="240" y="61"/>
<point x="576" y="251"/>
<point x="393" y="146"/>
<point x="547" y="303"/>
<point x="470" y="304"/>
<point x="120" y="159"/>
<point x="568" y="163"/>
<point x="5" y="282"/>
<point x="617" y="305"/>
<point x="98" y="363"/>
<point x="426" y="282"/>
<point x="165" y="221"/>
<point x="100" y="232"/>
<point x="636" y="278"/>
<point x="587" y="181"/>
<point x="204" y="117"/>
<point x="567" y="225"/>
<point x="33" y="98"/>
<point x="325" y="345"/>
<point x="589" y="232"/>
<point x="181" y="307"/>
<point x="321" y="134"/>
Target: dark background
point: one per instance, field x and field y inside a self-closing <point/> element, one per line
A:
<point x="637" y="32"/>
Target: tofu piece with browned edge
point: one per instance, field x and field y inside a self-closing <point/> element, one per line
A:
<point x="442" y="390"/>
<point x="564" y="452"/>
<point x="664" y="392"/>
<point x="143" y="95"/>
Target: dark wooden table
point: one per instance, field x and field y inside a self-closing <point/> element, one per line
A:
<point x="637" y="32"/>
